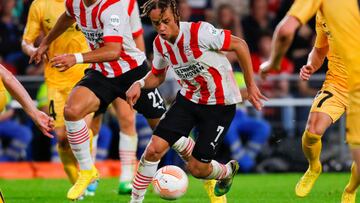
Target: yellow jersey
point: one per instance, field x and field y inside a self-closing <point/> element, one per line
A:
<point x="337" y="74"/>
<point x="2" y="87"/>
<point x="343" y="19"/>
<point x="42" y="17"/>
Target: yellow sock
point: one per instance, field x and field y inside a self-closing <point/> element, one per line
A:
<point x="354" y="181"/>
<point x="311" y="145"/>
<point x="70" y="163"/>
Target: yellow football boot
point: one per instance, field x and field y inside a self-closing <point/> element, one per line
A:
<point x="209" y="186"/>
<point x="86" y="177"/>
<point x="305" y="184"/>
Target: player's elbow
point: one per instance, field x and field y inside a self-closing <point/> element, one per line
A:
<point x="287" y="27"/>
<point x="238" y="44"/>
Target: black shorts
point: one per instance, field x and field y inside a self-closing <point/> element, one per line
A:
<point x="212" y="122"/>
<point x="150" y="103"/>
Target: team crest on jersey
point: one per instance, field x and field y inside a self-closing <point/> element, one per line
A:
<point x="188" y="51"/>
<point x="214" y="31"/>
<point x="115" y="20"/>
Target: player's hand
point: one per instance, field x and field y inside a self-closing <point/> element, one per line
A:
<point x="265" y="68"/>
<point x="63" y="62"/>
<point x="39" y="54"/>
<point x="255" y="97"/>
<point x="44" y="122"/>
<point x="133" y="93"/>
<point x="306" y="71"/>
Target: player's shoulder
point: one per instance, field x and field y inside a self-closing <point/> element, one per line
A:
<point x="113" y="7"/>
<point x="38" y="3"/>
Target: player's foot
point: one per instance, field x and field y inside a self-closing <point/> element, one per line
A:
<point x="223" y="186"/>
<point x="125" y="187"/>
<point x="348" y="197"/>
<point x="90" y="190"/>
<point x="86" y="177"/>
<point x="305" y="184"/>
<point x="209" y="186"/>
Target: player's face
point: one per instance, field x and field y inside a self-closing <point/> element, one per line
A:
<point x="165" y="24"/>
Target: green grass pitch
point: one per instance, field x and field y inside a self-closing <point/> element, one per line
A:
<point x="273" y="188"/>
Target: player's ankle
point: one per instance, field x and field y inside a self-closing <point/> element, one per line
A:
<point x="315" y="166"/>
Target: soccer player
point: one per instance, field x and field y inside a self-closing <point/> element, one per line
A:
<point x="343" y="20"/>
<point x="207" y="99"/>
<point x="42" y="17"/>
<point x="329" y="104"/>
<point x="115" y="64"/>
<point x="8" y="81"/>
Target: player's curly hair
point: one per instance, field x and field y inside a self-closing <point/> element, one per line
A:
<point x="162" y="5"/>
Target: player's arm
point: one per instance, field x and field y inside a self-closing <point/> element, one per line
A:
<point x="115" y="21"/>
<point x="282" y="39"/>
<point x="319" y="51"/>
<point x="109" y="52"/>
<point x="315" y="60"/>
<point x="33" y="27"/>
<point x="62" y="24"/>
<point x="152" y="80"/>
<point x="242" y="52"/>
<point x="299" y="13"/>
<point x="16" y="90"/>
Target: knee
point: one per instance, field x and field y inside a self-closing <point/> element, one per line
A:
<point x="198" y="170"/>
<point x="153" y="153"/>
<point x="314" y="127"/>
<point x="72" y="113"/>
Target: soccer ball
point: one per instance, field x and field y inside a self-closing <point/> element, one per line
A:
<point x="170" y="182"/>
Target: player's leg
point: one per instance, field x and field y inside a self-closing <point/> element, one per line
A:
<point x="213" y="123"/>
<point x="56" y="102"/>
<point x="177" y="123"/>
<point x="81" y="102"/>
<point x="327" y="108"/>
<point x="127" y="144"/>
<point x="353" y="139"/>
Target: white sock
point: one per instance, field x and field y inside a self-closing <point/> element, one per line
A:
<point x="219" y="171"/>
<point x="94" y="147"/>
<point x="143" y="178"/>
<point x="78" y="136"/>
<point x="127" y="154"/>
<point x="184" y="147"/>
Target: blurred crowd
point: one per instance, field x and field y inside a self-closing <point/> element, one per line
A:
<point x="253" y="136"/>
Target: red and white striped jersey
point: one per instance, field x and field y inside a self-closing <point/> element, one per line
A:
<point x="134" y="14"/>
<point x="107" y="21"/>
<point x="204" y="72"/>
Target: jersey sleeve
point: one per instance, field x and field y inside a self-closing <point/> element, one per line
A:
<point x="69" y="9"/>
<point x="159" y="64"/>
<point x="213" y="38"/>
<point x="321" y="39"/>
<point x="114" y="20"/>
<point x="135" y="21"/>
<point x="33" y="24"/>
<point x="303" y="10"/>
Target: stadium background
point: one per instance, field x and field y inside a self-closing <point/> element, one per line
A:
<point x="253" y="20"/>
